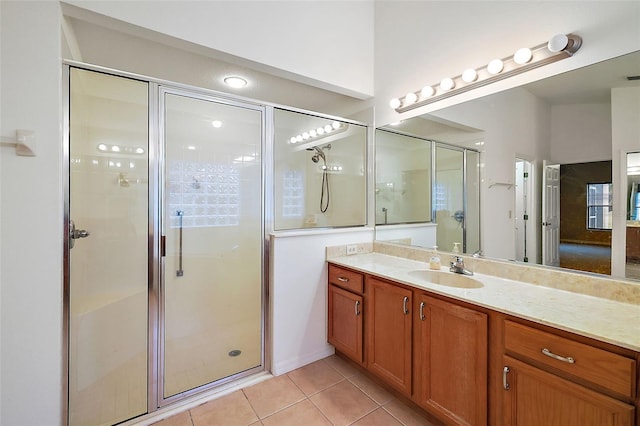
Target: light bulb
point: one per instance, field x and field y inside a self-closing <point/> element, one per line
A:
<point x="313" y="133"/>
<point x="216" y="123"/>
<point x="469" y="75"/>
<point x="139" y="150"/>
<point x="320" y="130"/>
<point x="447" y="84"/>
<point x="305" y="135"/>
<point x="115" y="148"/>
<point x="410" y="98"/>
<point x="522" y="56"/>
<point x="328" y="128"/>
<point x="293" y="139"/>
<point x="394" y="103"/>
<point x="235" y="82"/>
<point x="336" y="125"/>
<point x="427" y="91"/>
<point x="102" y="147"/>
<point x="495" y="66"/>
<point x="557" y="43"/>
<point x="299" y="138"/>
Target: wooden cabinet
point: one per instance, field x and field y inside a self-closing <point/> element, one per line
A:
<point x="345" y="319"/>
<point x="450" y="358"/>
<point x="633" y="244"/>
<point x="450" y="353"/>
<point x="534" y="397"/>
<point x="558" y="380"/>
<point x="389" y="323"/>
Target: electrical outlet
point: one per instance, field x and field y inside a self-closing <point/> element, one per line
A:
<point x="352" y="249"/>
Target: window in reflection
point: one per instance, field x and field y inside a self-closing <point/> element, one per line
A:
<point x="599" y="206"/>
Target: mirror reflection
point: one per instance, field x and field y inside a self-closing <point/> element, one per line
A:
<point x="633" y="216"/>
<point x="552" y="168"/>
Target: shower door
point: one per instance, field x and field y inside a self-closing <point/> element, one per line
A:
<point x="107" y="260"/>
<point x="448" y="202"/>
<point x="211" y="293"/>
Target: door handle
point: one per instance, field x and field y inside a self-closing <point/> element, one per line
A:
<point x="75" y="234"/>
<point x="404" y="305"/>
<point x="422" y="317"/>
<point x="357" y="306"/>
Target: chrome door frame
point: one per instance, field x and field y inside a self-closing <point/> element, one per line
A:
<point x="156" y="164"/>
<point x="162" y="91"/>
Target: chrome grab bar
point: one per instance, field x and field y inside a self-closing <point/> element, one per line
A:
<point x="567" y="359"/>
<point x="422" y="311"/>
<point x="357" y="305"/>
<point x="180" y="271"/>
<point x="404" y="305"/>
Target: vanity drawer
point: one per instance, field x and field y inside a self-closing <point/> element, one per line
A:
<point x="346" y="279"/>
<point x="603" y="368"/>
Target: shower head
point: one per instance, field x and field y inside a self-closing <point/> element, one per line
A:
<point x="319" y="153"/>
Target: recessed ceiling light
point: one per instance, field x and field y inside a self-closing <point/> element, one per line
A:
<point x="235" y="82"/>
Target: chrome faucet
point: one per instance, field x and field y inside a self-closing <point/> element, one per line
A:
<point x="457" y="266"/>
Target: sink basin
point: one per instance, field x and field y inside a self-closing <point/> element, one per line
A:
<point x="446" y="278"/>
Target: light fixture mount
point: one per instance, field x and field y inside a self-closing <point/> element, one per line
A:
<point x="559" y="47"/>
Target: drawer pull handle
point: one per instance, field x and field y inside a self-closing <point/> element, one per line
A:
<point x="505" y="383"/>
<point x="343" y="279"/>
<point x="421" y="311"/>
<point x="357" y="306"/>
<point x="404" y="305"/>
<point x="566" y="359"/>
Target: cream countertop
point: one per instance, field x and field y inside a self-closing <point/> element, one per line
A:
<point x="602" y="319"/>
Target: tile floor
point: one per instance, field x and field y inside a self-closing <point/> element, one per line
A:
<point x="326" y="392"/>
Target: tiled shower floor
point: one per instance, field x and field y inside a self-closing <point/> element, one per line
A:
<point x="326" y="392"/>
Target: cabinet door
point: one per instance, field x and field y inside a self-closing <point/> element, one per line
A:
<point x="389" y="333"/>
<point x="535" y="397"/>
<point x="345" y="322"/>
<point x="451" y="360"/>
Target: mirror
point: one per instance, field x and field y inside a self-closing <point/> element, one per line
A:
<point x="563" y="128"/>
<point x="633" y="216"/>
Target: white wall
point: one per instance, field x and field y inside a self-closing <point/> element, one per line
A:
<point x="31" y="226"/>
<point x="625" y="114"/>
<point x="328" y="44"/>
<point x="419" y="43"/>
<point x="299" y="295"/>
<point x="580" y="133"/>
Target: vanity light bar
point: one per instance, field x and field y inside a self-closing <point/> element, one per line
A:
<point x="318" y="133"/>
<point x="559" y="47"/>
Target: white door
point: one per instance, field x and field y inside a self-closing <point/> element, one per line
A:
<point x="551" y="214"/>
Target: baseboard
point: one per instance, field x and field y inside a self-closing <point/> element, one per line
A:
<point x="283" y="367"/>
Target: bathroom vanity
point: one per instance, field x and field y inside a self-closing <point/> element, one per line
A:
<point x="487" y="349"/>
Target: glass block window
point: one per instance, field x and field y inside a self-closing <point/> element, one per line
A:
<point x="292" y="194"/>
<point x="208" y="194"/>
<point x="599" y="206"/>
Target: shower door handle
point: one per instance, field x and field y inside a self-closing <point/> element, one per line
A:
<point x="75" y="234"/>
<point x="180" y="271"/>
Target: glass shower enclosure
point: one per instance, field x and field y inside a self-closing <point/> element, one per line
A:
<point x="164" y="269"/>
